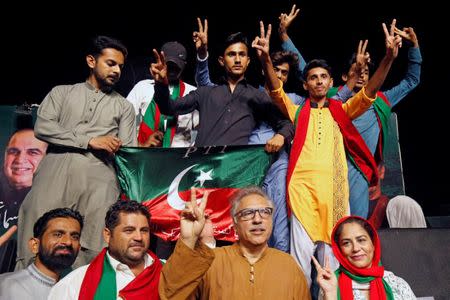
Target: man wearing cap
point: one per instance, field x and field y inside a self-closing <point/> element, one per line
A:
<point x="229" y="111"/>
<point x="156" y="129"/>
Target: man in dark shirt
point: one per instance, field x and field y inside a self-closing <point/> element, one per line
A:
<point x="229" y="111"/>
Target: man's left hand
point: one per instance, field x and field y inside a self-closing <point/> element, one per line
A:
<point x="275" y="143"/>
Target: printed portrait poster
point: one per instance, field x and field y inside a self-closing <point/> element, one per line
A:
<point x="20" y="155"/>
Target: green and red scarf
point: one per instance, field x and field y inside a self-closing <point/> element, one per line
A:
<point x="154" y="120"/>
<point x="383" y="109"/>
<point x="99" y="282"/>
<point x="355" y="146"/>
<point x="346" y="273"/>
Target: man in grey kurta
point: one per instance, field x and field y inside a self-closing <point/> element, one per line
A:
<point x="84" y="124"/>
<point x="29" y="283"/>
<point x="55" y="243"/>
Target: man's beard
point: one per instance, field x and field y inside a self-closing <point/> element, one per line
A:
<point x="57" y="262"/>
<point x="105" y="86"/>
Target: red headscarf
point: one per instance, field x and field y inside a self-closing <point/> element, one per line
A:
<point x="377" y="288"/>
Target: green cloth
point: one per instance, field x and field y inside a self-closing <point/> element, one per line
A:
<point x="107" y="287"/>
<point x="361" y="279"/>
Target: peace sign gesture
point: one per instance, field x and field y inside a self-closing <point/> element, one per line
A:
<point x="200" y="38"/>
<point x="286" y="19"/>
<point x="262" y="43"/>
<point x="326" y="278"/>
<point x="193" y="219"/>
<point x="362" y="58"/>
<point x="408" y="34"/>
<point x="392" y="41"/>
<point x="159" y="69"/>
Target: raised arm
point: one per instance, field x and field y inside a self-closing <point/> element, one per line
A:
<point x="285" y="22"/>
<point x="286" y="42"/>
<point x="412" y="76"/>
<point x="200" y="38"/>
<point x="262" y="46"/>
<point x="360" y="102"/>
<point x="362" y="60"/>
<point x="273" y="84"/>
<point x="193" y="220"/>
<point x="186" y="267"/>
<point x="162" y="96"/>
<point x="392" y="42"/>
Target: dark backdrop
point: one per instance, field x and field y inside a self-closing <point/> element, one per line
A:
<point x="41" y="46"/>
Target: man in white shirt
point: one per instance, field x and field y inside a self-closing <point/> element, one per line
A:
<point x="155" y="129"/>
<point x="125" y="269"/>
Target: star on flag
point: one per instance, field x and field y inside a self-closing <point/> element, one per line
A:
<point x="204" y="176"/>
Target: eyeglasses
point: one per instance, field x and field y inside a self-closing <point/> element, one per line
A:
<point x="250" y="213"/>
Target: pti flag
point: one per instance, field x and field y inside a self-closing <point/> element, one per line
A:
<point x="162" y="178"/>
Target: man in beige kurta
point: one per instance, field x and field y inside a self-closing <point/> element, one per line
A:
<point x="249" y="269"/>
<point x="84" y="124"/>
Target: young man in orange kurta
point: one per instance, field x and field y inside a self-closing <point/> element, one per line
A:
<point x="318" y="186"/>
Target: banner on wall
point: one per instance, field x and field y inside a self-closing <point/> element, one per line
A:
<point x="21" y="153"/>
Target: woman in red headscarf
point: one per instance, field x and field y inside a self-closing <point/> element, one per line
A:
<point x="360" y="275"/>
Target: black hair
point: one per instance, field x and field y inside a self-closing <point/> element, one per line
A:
<point x="41" y="224"/>
<point x="126" y="206"/>
<point x="316" y="63"/>
<point x="364" y="224"/>
<point x="235" y="38"/>
<point x="292" y="59"/>
<point x="101" y="42"/>
<point x="280" y="57"/>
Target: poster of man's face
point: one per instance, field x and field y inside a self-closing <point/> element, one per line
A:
<point x="23" y="154"/>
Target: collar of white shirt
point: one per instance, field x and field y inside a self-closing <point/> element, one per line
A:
<point x="124" y="275"/>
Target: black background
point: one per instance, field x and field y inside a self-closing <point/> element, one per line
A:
<point x="42" y="46"/>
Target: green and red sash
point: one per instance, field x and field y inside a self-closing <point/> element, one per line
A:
<point x="99" y="282"/>
<point x="382" y="108"/>
<point x="154" y="120"/>
<point x="354" y="145"/>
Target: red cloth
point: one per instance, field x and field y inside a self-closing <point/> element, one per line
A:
<point x="379" y="213"/>
<point x="353" y="142"/>
<point x="143" y="287"/>
<point x="377" y="290"/>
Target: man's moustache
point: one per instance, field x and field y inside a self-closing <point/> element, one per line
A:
<point x="70" y="248"/>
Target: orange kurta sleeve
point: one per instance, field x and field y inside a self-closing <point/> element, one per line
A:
<point x="358" y="104"/>
<point x="184" y="271"/>
<point x="284" y="103"/>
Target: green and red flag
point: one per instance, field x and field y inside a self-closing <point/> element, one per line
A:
<point x="162" y="178"/>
